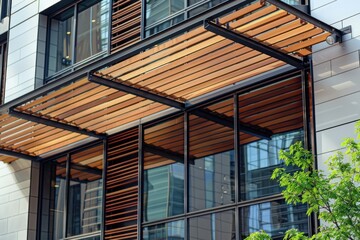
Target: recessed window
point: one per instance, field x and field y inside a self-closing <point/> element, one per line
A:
<point x="77" y="33"/>
<point x="161" y="14"/>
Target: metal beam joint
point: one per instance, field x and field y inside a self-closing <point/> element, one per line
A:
<point x="55" y="124"/>
<point x="136" y="91"/>
<point x="248" y="42"/>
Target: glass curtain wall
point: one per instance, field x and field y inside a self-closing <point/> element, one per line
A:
<point x="224" y="190"/>
<point x="164" y="170"/>
<point x="73" y="206"/>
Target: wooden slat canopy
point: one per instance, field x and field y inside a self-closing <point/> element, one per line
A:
<point x="199" y="61"/>
<point x="193" y="64"/>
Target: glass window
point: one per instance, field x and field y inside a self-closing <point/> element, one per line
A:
<point x="71" y="44"/>
<point x="92" y="30"/>
<point x="75" y="198"/>
<point x="164" y="170"/>
<point x="212" y="169"/>
<point x="85" y="196"/>
<point x="273" y="217"/>
<point x="57" y="201"/>
<point x="260" y="158"/>
<point x="215" y="226"/>
<point x="166" y="231"/>
<point x="162" y="14"/>
<point x="61" y="41"/>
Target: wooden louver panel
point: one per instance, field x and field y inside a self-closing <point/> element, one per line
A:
<point x="125" y="24"/>
<point x="122" y="186"/>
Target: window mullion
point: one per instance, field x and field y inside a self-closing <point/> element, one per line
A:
<point x="68" y="159"/>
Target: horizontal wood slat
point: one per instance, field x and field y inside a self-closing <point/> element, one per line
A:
<point x="122" y="186"/>
<point x="125" y="23"/>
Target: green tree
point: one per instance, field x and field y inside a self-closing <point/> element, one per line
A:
<point x="334" y="196"/>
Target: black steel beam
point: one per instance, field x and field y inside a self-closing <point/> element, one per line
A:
<point x="136" y="91"/>
<point x="55" y="124"/>
<point x="166" y="153"/>
<point x="19" y="155"/>
<point x="305" y="17"/>
<point x="229" y="122"/>
<point x="246" y="41"/>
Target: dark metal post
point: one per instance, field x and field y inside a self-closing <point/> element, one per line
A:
<point x="186" y="171"/>
<point x="313" y="221"/>
<point x="104" y="174"/>
<point x="237" y="160"/>
<point x="68" y="159"/>
<point x="140" y="181"/>
<point x="305" y="104"/>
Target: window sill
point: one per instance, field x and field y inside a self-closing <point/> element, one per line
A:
<point x="75" y="67"/>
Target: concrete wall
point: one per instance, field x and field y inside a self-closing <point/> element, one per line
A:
<point x="26" y="53"/>
<point x="336" y="76"/>
<point x="14" y="199"/>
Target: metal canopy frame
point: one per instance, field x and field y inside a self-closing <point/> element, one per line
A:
<point x="19" y="155"/>
<point x="236" y="37"/>
<point x="136" y="91"/>
<point x="51" y="123"/>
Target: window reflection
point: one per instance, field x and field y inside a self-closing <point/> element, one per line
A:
<point x="212" y="181"/>
<point x="215" y="226"/>
<point x="260" y="160"/>
<point x="164" y="170"/>
<point x="70" y="44"/>
<point x="61" y="41"/>
<point x="92" y="30"/>
<point x="57" y="201"/>
<point x="274" y="217"/>
<point x="75" y="196"/>
<point x="165" y="231"/>
<point x="164" y="192"/>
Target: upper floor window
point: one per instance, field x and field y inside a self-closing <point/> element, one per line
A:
<point x="79" y="32"/>
<point x="162" y="14"/>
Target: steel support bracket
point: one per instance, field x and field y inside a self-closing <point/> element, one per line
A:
<point x="55" y="124"/>
<point x="248" y="42"/>
<point x="136" y="91"/>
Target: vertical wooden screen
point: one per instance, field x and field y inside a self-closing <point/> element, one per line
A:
<point x="122" y="186"/>
<point x="125" y="24"/>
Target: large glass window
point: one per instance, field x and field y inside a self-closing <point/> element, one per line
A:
<point x="166" y="231"/>
<point x="212" y="166"/>
<point x="215" y="226"/>
<point x="164" y="170"/>
<point x="273" y="217"/>
<point x="77" y="33"/>
<point x="75" y="196"/>
<point x="260" y="159"/>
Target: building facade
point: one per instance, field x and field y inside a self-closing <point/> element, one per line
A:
<point x="131" y="119"/>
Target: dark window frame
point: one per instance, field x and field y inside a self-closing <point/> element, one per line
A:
<point x="52" y="160"/>
<point x="3" y="67"/>
<point x="74" y="65"/>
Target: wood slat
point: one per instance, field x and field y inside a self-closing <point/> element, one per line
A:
<point x="122" y="186"/>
